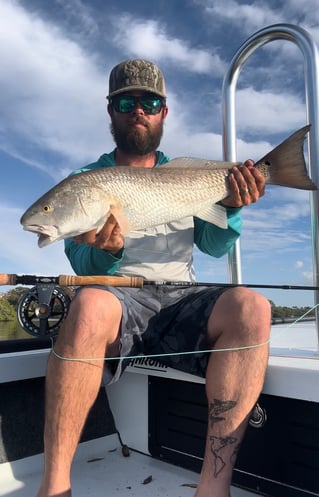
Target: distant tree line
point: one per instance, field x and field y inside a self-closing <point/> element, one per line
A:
<point x="294" y="312"/>
<point x="9" y="304"/>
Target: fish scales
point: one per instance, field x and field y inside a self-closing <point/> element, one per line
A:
<point x="151" y="197"/>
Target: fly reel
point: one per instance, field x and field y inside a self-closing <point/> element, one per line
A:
<point x="42" y="310"/>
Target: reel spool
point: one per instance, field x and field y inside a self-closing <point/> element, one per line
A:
<point x="42" y="310"/>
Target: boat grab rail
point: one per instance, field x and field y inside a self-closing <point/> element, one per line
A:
<point x="306" y="44"/>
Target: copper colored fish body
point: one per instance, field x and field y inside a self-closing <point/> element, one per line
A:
<point x="140" y="198"/>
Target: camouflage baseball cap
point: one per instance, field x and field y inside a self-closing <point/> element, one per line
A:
<point x="136" y="74"/>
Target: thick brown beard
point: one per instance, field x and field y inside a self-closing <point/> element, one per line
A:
<point x="136" y="141"/>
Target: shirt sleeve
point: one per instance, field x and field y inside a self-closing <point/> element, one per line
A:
<point x="90" y="261"/>
<point x="216" y="241"/>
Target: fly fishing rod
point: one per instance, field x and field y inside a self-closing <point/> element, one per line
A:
<point x="129" y="281"/>
<point x="42" y="308"/>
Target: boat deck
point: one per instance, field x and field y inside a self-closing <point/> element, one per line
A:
<point x="100" y="470"/>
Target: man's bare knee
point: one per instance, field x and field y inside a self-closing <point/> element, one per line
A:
<point x="94" y="315"/>
<point x="241" y="310"/>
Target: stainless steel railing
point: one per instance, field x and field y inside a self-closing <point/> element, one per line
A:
<point x="306" y="44"/>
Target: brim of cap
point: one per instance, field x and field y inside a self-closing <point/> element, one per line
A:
<point x="132" y="88"/>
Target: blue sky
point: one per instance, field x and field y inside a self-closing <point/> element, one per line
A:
<point x="55" y="59"/>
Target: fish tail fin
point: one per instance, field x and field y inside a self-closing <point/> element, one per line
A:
<point x="286" y="163"/>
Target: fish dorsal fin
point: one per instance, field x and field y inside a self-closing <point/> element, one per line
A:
<point x="215" y="214"/>
<point x="194" y="163"/>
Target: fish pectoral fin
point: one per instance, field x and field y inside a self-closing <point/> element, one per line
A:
<point x="101" y="222"/>
<point x="122" y="220"/>
<point x="215" y="214"/>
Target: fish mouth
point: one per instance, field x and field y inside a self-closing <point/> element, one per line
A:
<point x="46" y="233"/>
<point x="44" y="240"/>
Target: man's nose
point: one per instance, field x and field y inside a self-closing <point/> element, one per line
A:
<point x="138" y="109"/>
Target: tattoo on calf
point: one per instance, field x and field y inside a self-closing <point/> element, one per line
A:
<point x="217" y="407"/>
<point x="219" y="445"/>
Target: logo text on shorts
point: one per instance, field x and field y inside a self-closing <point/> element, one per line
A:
<point x="147" y="363"/>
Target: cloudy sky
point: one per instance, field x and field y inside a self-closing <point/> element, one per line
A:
<point x="55" y="59"/>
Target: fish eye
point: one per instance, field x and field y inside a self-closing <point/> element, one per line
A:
<point x="47" y="208"/>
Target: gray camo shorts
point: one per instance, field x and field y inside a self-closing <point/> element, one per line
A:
<point x="162" y="321"/>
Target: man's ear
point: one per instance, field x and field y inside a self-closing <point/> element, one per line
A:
<point x="110" y="109"/>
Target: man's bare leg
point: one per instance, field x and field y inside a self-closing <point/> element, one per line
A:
<point x="72" y="386"/>
<point x="234" y="381"/>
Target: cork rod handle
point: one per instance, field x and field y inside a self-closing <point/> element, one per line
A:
<point x="132" y="281"/>
<point x="70" y="280"/>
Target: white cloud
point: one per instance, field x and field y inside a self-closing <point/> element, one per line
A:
<point x="51" y="92"/>
<point x="149" y="39"/>
<point x="306" y="11"/>
<point x="256" y="15"/>
<point x="78" y="13"/>
<point x="248" y="16"/>
<point x="268" y="112"/>
<point x="308" y="277"/>
<point x="54" y="100"/>
<point x="280" y="216"/>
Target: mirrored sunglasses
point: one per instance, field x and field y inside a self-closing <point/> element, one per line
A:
<point x="126" y="104"/>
